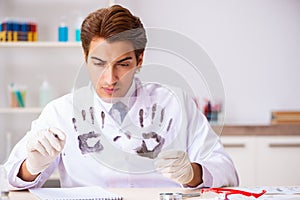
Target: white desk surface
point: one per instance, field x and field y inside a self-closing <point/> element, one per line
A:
<point x="126" y="193"/>
<point x="142" y="194"/>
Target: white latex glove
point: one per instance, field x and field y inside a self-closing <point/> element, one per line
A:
<point x="175" y="165"/>
<point x="43" y="148"/>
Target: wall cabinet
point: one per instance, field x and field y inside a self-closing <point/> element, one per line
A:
<point x="265" y="160"/>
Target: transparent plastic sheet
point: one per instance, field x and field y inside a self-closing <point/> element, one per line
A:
<point x="176" y="64"/>
<point x="214" y="194"/>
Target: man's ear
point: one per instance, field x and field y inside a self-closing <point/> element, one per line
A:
<point x="85" y="58"/>
<point x="140" y="60"/>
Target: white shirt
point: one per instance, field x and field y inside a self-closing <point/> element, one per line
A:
<point x="110" y="158"/>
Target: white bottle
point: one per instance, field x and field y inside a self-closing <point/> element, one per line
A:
<point x="45" y="94"/>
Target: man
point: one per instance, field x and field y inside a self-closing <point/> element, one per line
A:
<point x="118" y="131"/>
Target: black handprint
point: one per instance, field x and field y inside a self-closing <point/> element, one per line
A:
<point x="155" y="133"/>
<point x="84" y="146"/>
<point x="145" y="152"/>
<point x="88" y="141"/>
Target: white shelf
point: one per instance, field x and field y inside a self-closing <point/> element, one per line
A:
<point x="40" y="44"/>
<point x="20" y="110"/>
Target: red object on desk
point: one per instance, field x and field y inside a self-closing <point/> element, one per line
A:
<point x="227" y="192"/>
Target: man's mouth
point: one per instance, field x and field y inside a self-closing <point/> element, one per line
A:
<point x="109" y="90"/>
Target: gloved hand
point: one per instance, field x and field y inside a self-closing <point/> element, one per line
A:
<point x="175" y="165"/>
<point x="43" y="148"/>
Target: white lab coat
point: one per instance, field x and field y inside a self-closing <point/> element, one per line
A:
<point x="117" y="164"/>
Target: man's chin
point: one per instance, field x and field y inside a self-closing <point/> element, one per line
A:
<point x="110" y="98"/>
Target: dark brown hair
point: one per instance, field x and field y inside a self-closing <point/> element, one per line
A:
<point x="114" y="24"/>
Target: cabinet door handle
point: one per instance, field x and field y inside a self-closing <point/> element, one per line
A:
<point x="234" y="145"/>
<point x="284" y="145"/>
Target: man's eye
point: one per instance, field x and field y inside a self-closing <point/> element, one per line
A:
<point x="99" y="64"/>
<point x="123" y="64"/>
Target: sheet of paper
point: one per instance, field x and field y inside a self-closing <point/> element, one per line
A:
<point x="281" y="197"/>
<point x="276" y="189"/>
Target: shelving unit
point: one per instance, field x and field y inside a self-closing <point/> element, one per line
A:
<point x="45" y="44"/>
<point x="20" y="110"/>
<point x="29" y="63"/>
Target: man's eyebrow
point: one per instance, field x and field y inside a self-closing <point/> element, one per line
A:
<point x="124" y="59"/>
<point x="93" y="57"/>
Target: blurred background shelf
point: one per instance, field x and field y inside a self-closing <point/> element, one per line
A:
<point x="39" y="44"/>
<point x="33" y="110"/>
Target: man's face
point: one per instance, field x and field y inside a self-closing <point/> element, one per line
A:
<point x="111" y="67"/>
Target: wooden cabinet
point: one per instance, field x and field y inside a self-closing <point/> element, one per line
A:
<point x="265" y="160"/>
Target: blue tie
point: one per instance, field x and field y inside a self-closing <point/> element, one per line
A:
<point x="121" y="109"/>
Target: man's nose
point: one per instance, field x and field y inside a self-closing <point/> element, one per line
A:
<point x="110" y="74"/>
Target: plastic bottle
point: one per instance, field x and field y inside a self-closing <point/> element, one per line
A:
<point x="63" y="31"/>
<point x="45" y="93"/>
<point x="209" y="111"/>
<point x="78" y="28"/>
